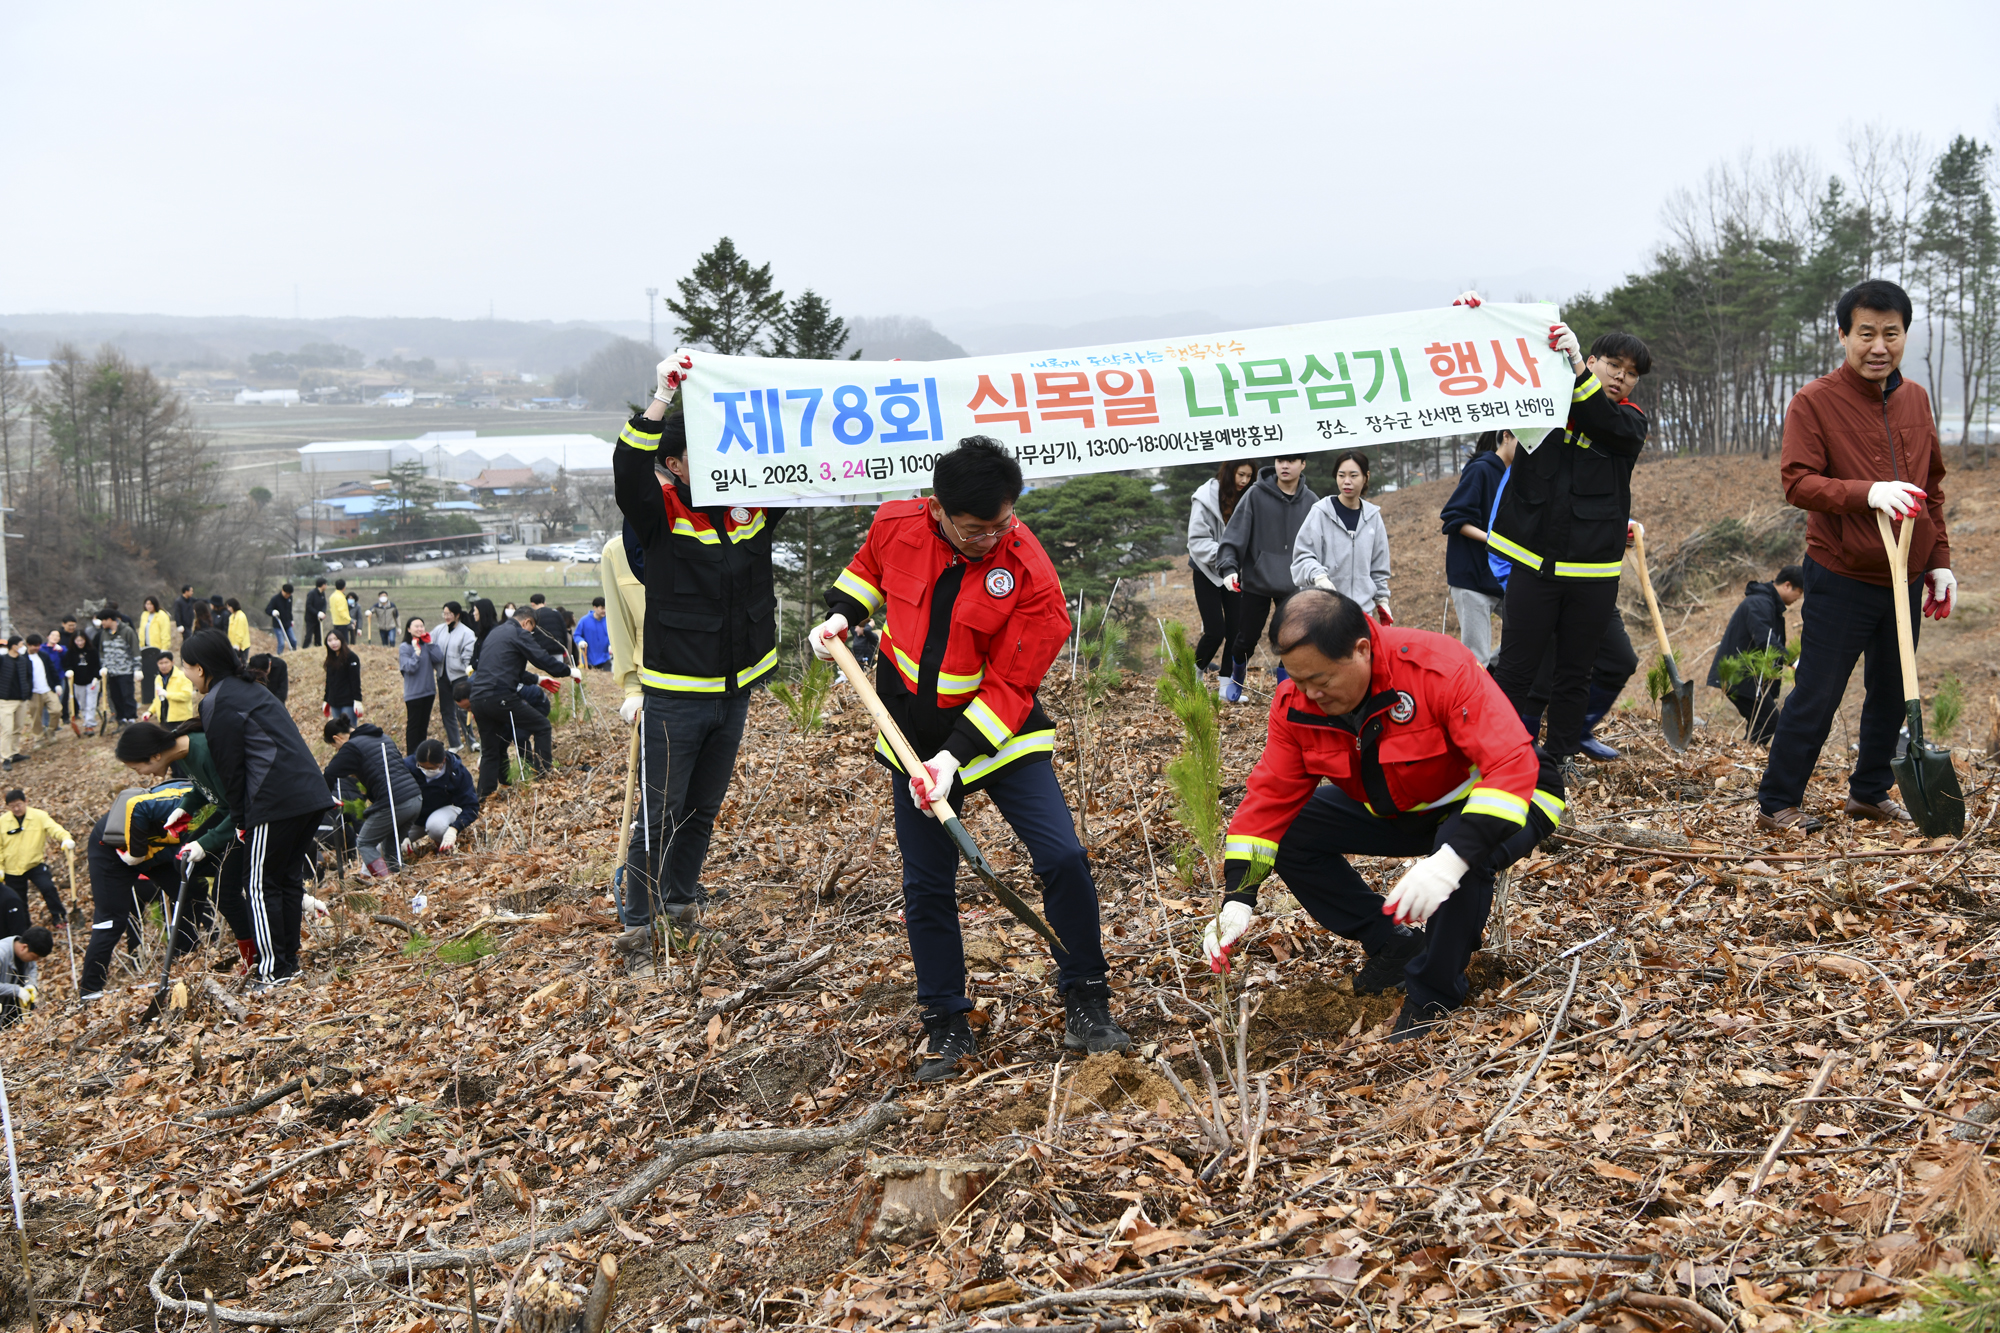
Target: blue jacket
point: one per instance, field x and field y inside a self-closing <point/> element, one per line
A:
<point x="1501" y="568"/>
<point x="1465" y="564"/>
<point x="596" y="636"/>
<point x="454" y="786"/>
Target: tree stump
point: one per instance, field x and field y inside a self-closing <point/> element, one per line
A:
<point x="901" y="1199"/>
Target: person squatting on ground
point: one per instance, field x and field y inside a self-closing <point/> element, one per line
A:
<point x="153" y="752"/>
<point x="976" y="617"/>
<point x="1208" y="517"/>
<point x="421" y="661"/>
<point x="505" y="719"/>
<point x="1422" y="758"/>
<point x="1563" y="523"/>
<point x="710" y="636"/>
<point x="1757" y="625"/>
<point x="19" y="955"/>
<point x="1858" y="440"/>
<point x="141" y="849"/>
<point x="368" y="763"/>
<point x="1476" y="594"/>
<point x="272" y="784"/>
<point x="450" y="800"/>
<point x="1343" y="546"/>
<point x="25" y="834"/>
<point x="1254" y="557"/>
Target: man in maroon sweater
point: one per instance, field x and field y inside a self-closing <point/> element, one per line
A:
<point x="1858" y="440"/>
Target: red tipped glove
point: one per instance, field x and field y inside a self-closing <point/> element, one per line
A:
<point x="1382" y="615"/>
<point x="1468" y="299"/>
<point x="326" y="710"/>
<point x="177" y="822"/>
<point x="550" y="684"/>
<point x="423" y="638"/>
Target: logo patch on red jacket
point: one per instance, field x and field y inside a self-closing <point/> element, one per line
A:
<point x="739" y="515"/>
<point x="1404" y="708"/>
<point x="999" y="582"/>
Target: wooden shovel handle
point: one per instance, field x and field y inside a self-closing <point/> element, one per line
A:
<point x="1899" y="588"/>
<point x="905" y="752"/>
<point x="1646" y="586"/>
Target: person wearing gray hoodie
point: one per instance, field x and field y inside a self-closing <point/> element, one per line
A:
<point x="1214" y="503"/>
<point x="1343" y="546"/>
<point x="1254" y="556"/>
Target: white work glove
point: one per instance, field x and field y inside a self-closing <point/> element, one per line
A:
<point x="1383" y="616"/>
<point x="631" y="708"/>
<point x="69" y="844"/>
<point x="359" y="710"/>
<point x="1897" y="499"/>
<point x="312" y="907"/>
<point x="1324" y="584"/>
<point x="672" y="373"/>
<point x="27" y="997"/>
<point x="1468" y="298"/>
<point x="1940" y="593"/>
<point x="126" y="856"/>
<point x="936" y="777"/>
<point x="449" y="840"/>
<point x="1563" y="339"/>
<point x="833" y="627"/>
<point x="1424" y="887"/>
<point x="1233" y="582"/>
<point x="193" y="854"/>
<point x="1224" y="929"/>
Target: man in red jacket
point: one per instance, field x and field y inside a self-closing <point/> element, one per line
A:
<point x="976" y="616"/>
<point x="1858" y="440"/>
<point x="1423" y="757"/>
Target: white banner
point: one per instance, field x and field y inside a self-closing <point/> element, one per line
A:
<point x="783" y="432"/>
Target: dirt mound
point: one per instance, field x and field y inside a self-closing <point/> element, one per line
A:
<point x="1320" y="1009"/>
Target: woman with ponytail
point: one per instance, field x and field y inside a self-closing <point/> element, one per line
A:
<point x="154" y="752"/>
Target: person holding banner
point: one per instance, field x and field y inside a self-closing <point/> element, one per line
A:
<point x="1255" y="557"/>
<point x="976" y="616"/>
<point x="1421" y="758"/>
<point x="709" y="638"/>
<point x="1563" y="522"/>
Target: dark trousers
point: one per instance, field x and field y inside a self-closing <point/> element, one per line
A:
<point x="687" y="753"/>
<point x="504" y="723"/>
<point x="1219" y="611"/>
<point x="118" y="893"/>
<point x="1312" y="860"/>
<point x="1615" y="662"/>
<point x="417" y="720"/>
<point x="1844" y="619"/>
<point x="13" y="908"/>
<point x="1568" y="615"/>
<point x="118" y="689"/>
<point x="1760" y="709"/>
<point x="149" y="671"/>
<point x="39" y="877"/>
<point x="1252" y="610"/>
<point x="313" y="631"/>
<point x="268" y="872"/>
<point x="450" y="711"/>
<point x="1033" y="806"/>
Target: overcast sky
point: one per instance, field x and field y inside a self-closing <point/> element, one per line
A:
<point x="1019" y="159"/>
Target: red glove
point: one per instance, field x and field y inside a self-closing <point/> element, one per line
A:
<point x="551" y="684"/>
<point x="177" y="822"/>
<point x="326" y="711"/>
<point x="1382" y="615"/>
<point x="423" y="638"/>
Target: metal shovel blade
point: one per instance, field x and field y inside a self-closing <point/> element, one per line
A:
<point x="1009" y="899"/>
<point x="1677" y="709"/>
<point x="1928" y="783"/>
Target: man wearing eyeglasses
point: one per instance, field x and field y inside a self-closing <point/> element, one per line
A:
<point x="976" y="616"/>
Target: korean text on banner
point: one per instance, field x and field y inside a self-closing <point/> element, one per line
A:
<point x="773" y="431"/>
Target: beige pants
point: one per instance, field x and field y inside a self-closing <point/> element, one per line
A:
<point x="13" y="725"/>
<point x="41" y="723"/>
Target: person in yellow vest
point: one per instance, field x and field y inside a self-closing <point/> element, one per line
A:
<point x="176" y="701"/>
<point x="339" y="611"/>
<point x="25" y="833"/>
<point x="239" y="628"/>
<point x="156" y="636"/>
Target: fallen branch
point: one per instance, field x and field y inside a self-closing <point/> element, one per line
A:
<point x="224" y="1313"/>
<point x="1058" y="1299"/>
<point x="1692" y="1311"/>
<point x="779" y="981"/>
<point x="271" y="1175"/>
<point x="223" y="1000"/>
<point x="327" y="1074"/>
<point x="384" y="919"/>
<point x="1528" y="1076"/>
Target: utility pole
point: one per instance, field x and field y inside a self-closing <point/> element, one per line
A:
<point x="652" y="293"/>
<point x="6" y="606"/>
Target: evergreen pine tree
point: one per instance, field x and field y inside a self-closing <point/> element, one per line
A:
<point x="807" y="329"/>
<point x="726" y="305"/>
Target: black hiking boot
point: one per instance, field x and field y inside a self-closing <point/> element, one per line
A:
<point x="1384" y="968"/>
<point x="949" y="1040"/>
<point x="1414" y="1022"/>
<point x="1087" y="1022"/>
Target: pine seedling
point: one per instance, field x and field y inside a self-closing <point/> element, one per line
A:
<point x="1947" y="706"/>
<point x="1658" y="683"/>
<point x="806" y="700"/>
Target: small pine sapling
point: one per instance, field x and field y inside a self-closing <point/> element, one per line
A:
<point x="1947" y="706"/>
<point x="806" y="701"/>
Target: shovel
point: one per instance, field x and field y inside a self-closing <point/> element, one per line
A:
<point x="940" y="806"/>
<point x="173" y="939"/>
<point x="1924" y="775"/>
<point x="1677" y="705"/>
<point x="625" y="823"/>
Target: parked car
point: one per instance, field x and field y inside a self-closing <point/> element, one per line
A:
<point x="432" y="553"/>
<point x="335" y="566"/>
<point x="589" y="557"/>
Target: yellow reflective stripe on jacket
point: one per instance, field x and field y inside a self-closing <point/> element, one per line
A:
<point x="1549" y="805"/>
<point x="989" y="723"/>
<point x="637" y="439"/>
<point x="1243" y="847"/>
<point x="905" y="664"/>
<point x="748" y="530"/>
<point x="860" y="589"/>
<point x="950" y="684"/>
<point x="1454" y="794"/>
<point x="1585" y="389"/>
<point x="1513" y="551"/>
<point x="685" y="528"/>
<point x="1576" y="569"/>
<point x="1498" y="803"/>
<point x="1026" y="743"/>
<point x="666" y="680"/>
